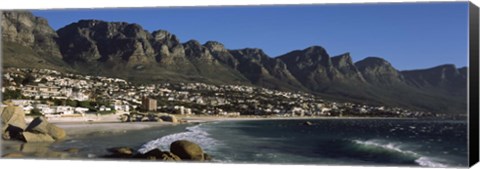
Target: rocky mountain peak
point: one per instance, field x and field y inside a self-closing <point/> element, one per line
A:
<point x="215" y="46"/>
<point x="251" y="53"/>
<point x="96" y="40"/>
<point x="378" y="70"/>
<point x="163" y="35"/>
<point x="311" y="56"/>
<point x="23" y="28"/>
<point x="165" y="42"/>
<point x="315" y="49"/>
<point x="192" y="43"/>
<point x="342" y="60"/>
<point x="372" y="62"/>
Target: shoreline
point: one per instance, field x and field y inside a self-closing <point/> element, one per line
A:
<point x="112" y="130"/>
<point x="192" y="119"/>
<point x="104" y="125"/>
<point x="110" y="124"/>
<point x="79" y="129"/>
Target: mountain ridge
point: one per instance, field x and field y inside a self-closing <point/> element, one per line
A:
<point x="128" y="51"/>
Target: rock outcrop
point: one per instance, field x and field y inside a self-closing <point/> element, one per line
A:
<point x="31" y="137"/>
<point x="29" y="41"/>
<point x="39" y="130"/>
<point x="106" y="43"/>
<point x="13" y="121"/>
<point x="262" y="70"/>
<point x="187" y="150"/>
<point x="23" y="28"/>
<point x="156" y="154"/>
<point x="41" y="126"/>
<point x="181" y="150"/>
<point x="311" y="66"/>
<point x="378" y="71"/>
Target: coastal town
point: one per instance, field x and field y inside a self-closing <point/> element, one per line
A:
<point x="51" y="93"/>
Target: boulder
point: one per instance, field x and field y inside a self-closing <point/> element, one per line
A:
<point x="187" y="150"/>
<point x="169" y="118"/>
<point x="56" y="132"/>
<point x="42" y="126"/>
<point x="12" y="132"/>
<point x="14" y="116"/>
<point x="6" y="135"/>
<point x="207" y="157"/>
<point x="120" y="152"/>
<point x="156" y="154"/>
<point x="151" y="155"/>
<point x="168" y="156"/>
<point x="39" y="125"/>
<point x="30" y="137"/>
<point x="12" y="121"/>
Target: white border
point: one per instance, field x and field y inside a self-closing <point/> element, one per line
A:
<point x="64" y="4"/>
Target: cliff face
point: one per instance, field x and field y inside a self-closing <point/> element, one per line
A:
<point x="99" y="42"/>
<point x="343" y="63"/>
<point x="28" y="41"/>
<point x="126" y="50"/>
<point x="263" y="70"/>
<point x="27" y="30"/>
<point x="379" y="71"/>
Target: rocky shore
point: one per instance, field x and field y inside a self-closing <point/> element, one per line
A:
<point x="34" y="136"/>
<point x="14" y="127"/>
<point x="181" y="150"/>
<point x="21" y="139"/>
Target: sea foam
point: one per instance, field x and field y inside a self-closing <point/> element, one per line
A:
<point x="421" y="160"/>
<point x="194" y="134"/>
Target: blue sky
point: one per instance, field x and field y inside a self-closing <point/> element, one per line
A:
<point x="410" y="36"/>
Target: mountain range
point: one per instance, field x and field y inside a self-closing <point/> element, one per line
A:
<point x="126" y="50"/>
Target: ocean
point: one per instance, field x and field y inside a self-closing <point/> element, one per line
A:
<point x="363" y="142"/>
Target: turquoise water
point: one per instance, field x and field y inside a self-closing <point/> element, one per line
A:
<point x="332" y="142"/>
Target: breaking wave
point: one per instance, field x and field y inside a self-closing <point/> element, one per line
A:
<point x="195" y="134"/>
<point x="397" y="148"/>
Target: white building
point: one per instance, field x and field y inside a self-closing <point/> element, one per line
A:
<point x="65" y="110"/>
<point x="80" y="110"/>
<point x="45" y="109"/>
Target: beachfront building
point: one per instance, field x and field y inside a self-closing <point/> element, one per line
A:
<point x="45" y="109"/>
<point x="149" y="104"/>
<point x="81" y="110"/>
<point x="64" y="110"/>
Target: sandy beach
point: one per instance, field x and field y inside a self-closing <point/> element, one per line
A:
<point x="76" y="129"/>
